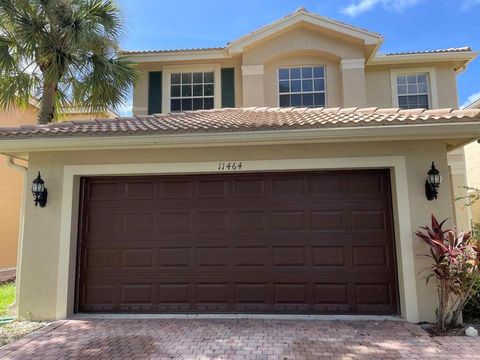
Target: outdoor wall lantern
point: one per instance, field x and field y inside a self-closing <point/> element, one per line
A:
<point x="39" y="191"/>
<point x="434" y="179"/>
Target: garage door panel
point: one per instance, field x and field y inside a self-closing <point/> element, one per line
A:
<point x="307" y="242"/>
<point x="293" y="220"/>
<point x="288" y="187"/>
<point x="328" y="293"/>
<point x="323" y="256"/>
<point x="249" y="189"/>
<point x="371" y="256"/>
<point x="251" y="258"/>
<point x="217" y="293"/>
<point x="326" y="186"/>
<point x="106" y="190"/>
<point x="178" y="257"/>
<point x="140" y="190"/>
<point x="177" y="189"/>
<point x="327" y="220"/>
<point x="366" y="185"/>
<point x="212" y="189"/>
<point x="290" y="256"/>
<point x="249" y="221"/>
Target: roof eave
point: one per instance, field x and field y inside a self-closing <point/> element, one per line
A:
<point x="464" y="57"/>
<point x="177" y="56"/>
<point x="461" y="130"/>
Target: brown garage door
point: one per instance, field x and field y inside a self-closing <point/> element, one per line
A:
<point x="304" y="242"/>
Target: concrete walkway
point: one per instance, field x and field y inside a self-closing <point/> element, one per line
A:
<point x="237" y="339"/>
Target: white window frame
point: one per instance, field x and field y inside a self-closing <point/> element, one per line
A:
<point x="167" y="76"/>
<point x="432" y="84"/>
<point x="277" y="84"/>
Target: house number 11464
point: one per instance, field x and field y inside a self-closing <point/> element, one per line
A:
<point x="230" y="166"/>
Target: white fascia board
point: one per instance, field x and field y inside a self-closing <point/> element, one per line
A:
<point x="178" y="56"/>
<point x="428" y="57"/>
<point x="331" y="135"/>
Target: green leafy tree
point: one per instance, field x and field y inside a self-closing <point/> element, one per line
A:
<point x="64" y="53"/>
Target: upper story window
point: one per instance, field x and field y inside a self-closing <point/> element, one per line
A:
<point x="413" y="91"/>
<point x="191" y="91"/>
<point x="301" y="86"/>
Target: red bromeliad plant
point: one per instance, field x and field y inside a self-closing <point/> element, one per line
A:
<point x="456" y="267"/>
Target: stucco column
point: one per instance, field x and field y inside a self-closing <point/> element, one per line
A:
<point x="353" y="82"/>
<point x="253" y="94"/>
<point x="458" y="180"/>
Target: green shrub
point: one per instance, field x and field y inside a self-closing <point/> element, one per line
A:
<point x="7" y="297"/>
<point x="471" y="312"/>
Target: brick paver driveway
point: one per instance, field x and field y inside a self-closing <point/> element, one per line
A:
<point x="237" y="339"/>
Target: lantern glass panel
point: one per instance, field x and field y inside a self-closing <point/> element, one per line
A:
<point x="38" y="186"/>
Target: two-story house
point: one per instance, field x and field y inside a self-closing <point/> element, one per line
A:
<point x="284" y="173"/>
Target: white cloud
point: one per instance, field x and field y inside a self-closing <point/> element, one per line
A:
<point x="125" y="109"/>
<point x="361" y="6"/>
<point x="471" y="99"/>
<point x="467" y="4"/>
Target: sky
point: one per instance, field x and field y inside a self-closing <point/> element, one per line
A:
<point x="406" y="25"/>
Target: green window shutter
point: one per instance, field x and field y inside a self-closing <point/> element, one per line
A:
<point x="228" y="87"/>
<point x="154" y="92"/>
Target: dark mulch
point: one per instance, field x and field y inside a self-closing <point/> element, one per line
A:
<point x="7" y="276"/>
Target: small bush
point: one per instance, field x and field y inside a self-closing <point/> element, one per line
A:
<point x="7" y="297"/>
<point x="455" y="268"/>
<point x="471" y="312"/>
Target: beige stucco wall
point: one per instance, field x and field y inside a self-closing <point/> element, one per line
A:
<point x="458" y="177"/>
<point x="42" y="293"/>
<point x="301" y="39"/>
<point x="11" y="183"/>
<point x="11" y="187"/>
<point x="379" y="88"/>
<point x="472" y="159"/>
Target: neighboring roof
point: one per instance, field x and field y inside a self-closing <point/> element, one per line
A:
<point x="438" y="51"/>
<point x="135" y="52"/>
<point x="70" y="110"/>
<point x="243" y="120"/>
<point x="473" y="105"/>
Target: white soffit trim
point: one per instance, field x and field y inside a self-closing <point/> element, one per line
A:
<point x="352" y="64"/>
<point x="449" y="131"/>
<point x="466" y="57"/>
<point x="178" y="56"/>
<point x="252" y="70"/>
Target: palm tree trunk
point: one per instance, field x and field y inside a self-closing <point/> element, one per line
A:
<point x="47" y="104"/>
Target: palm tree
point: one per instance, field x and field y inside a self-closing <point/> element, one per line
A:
<point x="63" y="52"/>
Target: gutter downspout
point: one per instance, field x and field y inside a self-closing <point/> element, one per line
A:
<point x="23" y="170"/>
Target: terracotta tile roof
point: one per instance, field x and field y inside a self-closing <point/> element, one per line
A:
<point x="135" y="52"/>
<point x="243" y="119"/>
<point x="437" y="51"/>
